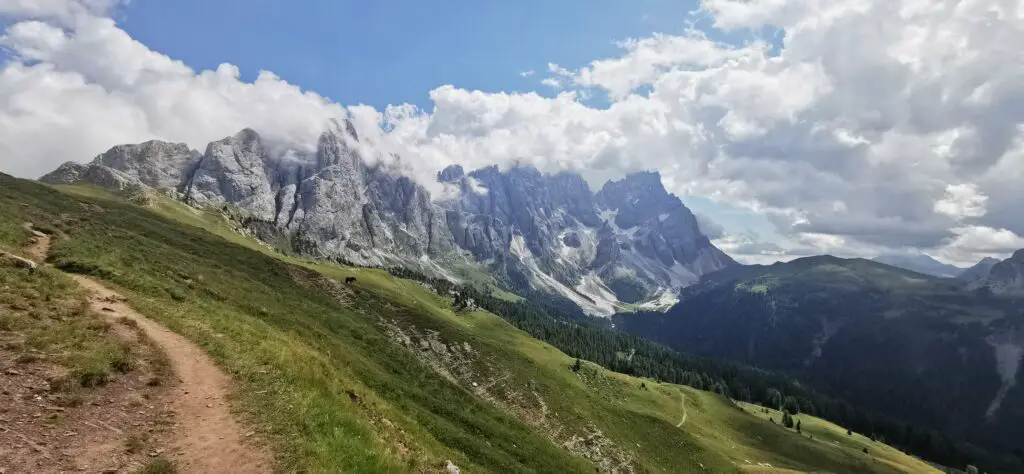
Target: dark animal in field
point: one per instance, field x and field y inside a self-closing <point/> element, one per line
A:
<point x="350" y="280"/>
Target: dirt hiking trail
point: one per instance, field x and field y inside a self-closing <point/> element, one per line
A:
<point x="206" y="437"/>
<point x="682" y="403"/>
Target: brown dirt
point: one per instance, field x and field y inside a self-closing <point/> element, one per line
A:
<point x="203" y="437"/>
<point x="39" y="245"/>
<point x="44" y="430"/>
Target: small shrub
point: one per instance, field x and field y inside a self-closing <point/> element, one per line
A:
<point x="134" y="444"/>
<point x="158" y="465"/>
<point x="84" y="268"/>
<point x="177" y="295"/>
<point x="91" y="376"/>
<point x="69" y="400"/>
<point x="27" y="358"/>
<point x="97" y="325"/>
<point x="45" y="228"/>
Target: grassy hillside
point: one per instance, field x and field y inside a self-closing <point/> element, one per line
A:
<point x="382" y="375"/>
<point x="843" y="441"/>
<point x="890" y="341"/>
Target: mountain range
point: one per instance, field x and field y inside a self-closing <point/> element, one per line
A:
<point x="631" y="244"/>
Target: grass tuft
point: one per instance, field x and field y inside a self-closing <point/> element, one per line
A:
<point x="158" y="465"/>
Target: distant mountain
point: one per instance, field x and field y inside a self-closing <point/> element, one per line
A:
<point x="979" y="270"/>
<point x="920" y="263"/>
<point x="904" y="343"/>
<point x="630" y="243"/>
<point x="1004" y="278"/>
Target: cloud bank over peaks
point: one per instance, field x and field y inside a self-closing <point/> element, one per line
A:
<point x="863" y="127"/>
<point x="73" y="92"/>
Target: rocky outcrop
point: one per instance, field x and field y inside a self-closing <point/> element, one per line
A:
<point x="631" y="242"/>
<point x="97" y="175"/>
<point x="155" y="164"/>
<point x="1005" y="277"/>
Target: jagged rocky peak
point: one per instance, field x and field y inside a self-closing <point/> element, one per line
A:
<point x="156" y="164"/>
<point x="665" y="227"/>
<point x="235" y="170"/>
<point x="451" y="174"/>
<point x="334" y="146"/>
<point x="637" y="198"/>
<point x="632" y="242"/>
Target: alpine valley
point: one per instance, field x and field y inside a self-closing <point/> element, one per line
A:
<point x="926" y="362"/>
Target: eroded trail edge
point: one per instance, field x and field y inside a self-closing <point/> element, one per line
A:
<point x="206" y="438"/>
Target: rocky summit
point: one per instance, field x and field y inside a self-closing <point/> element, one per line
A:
<point x="630" y="245"/>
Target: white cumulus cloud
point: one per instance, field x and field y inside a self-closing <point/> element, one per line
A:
<point x="961" y="201"/>
<point x="863" y="126"/>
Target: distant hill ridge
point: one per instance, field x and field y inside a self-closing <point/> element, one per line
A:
<point x="900" y="342"/>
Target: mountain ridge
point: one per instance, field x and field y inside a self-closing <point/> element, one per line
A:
<point x="921" y="263"/>
<point x="629" y="243"/>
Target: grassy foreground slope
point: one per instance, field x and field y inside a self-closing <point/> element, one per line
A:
<point x="383" y="376"/>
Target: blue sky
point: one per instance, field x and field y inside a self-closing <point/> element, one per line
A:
<point x="787" y="137"/>
<point x="394" y="52"/>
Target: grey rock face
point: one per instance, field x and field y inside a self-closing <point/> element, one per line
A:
<point x="155" y="164"/>
<point x="235" y="170"/>
<point x="653" y="240"/>
<point x="368" y="215"/>
<point x="630" y="242"/>
<point x="159" y="165"/>
<point x="67" y="173"/>
<point x="494" y="207"/>
<point x="97" y="175"/>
